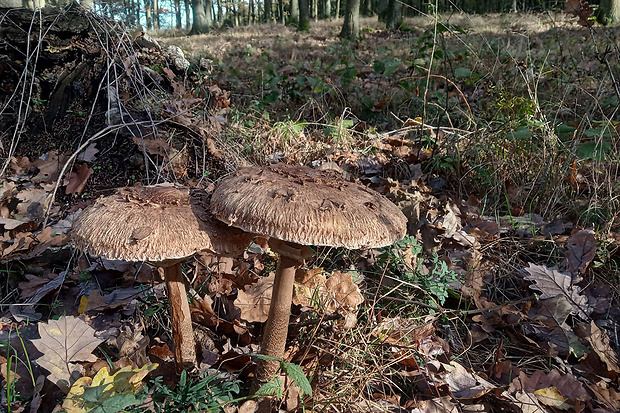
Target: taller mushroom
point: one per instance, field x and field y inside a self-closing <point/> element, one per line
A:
<point x="298" y="206"/>
<point x="162" y="225"/>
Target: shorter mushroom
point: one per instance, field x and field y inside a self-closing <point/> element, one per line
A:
<point x="298" y="206"/>
<point x="162" y="225"/>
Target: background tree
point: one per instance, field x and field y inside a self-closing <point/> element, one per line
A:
<point x="202" y="21"/>
<point x="304" y="16"/>
<point x="351" y="27"/>
<point x="294" y="12"/>
<point x="394" y="14"/>
<point x="609" y="12"/>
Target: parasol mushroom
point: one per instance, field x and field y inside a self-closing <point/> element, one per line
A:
<point x="296" y="207"/>
<point x="162" y="225"/>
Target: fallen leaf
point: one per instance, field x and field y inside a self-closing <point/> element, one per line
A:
<point x="551" y="283"/>
<point x="78" y="179"/>
<point x="343" y="292"/>
<point x="89" y="154"/>
<point x="601" y="344"/>
<point x="64" y="342"/>
<point x="255" y="299"/>
<point x="105" y="392"/>
<point x="153" y="146"/>
<point x="580" y="250"/>
<point x="465" y="385"/>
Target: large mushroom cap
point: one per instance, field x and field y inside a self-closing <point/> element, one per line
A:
<point x="154" y="223"/>
<point x="307" y="206"/>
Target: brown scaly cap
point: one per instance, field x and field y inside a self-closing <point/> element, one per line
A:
<point x="154" y="223"/>
<point x="307" y="206"/>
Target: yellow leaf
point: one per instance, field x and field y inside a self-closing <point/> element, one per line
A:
<point x="552" y="397"/>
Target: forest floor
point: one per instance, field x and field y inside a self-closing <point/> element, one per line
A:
<point x="497" y="136"/>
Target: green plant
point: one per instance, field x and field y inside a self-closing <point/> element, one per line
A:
<point x="405" y="260"/>
<point x="205" y="393"/>
<point x="274" y="386"/>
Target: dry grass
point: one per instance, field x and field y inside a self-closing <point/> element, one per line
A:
<point x="533" y="71"/>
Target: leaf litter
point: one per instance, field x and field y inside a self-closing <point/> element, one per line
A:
<point x="512" y="331"/>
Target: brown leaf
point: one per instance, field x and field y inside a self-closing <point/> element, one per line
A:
<point x="606" y="396"/>
<point x="78" y="179"/>
<point x="465" y="385"/>
<point x="580" y="250"/>
<point x="255" y="299"/>
<point x="64" y="342"/>
<point x="343" y="292"/>
<point x="551" y="283"/>
<point x="402" y="331"/>
<point x="601" y="344"/>
<point x="89" y="154"/>
<point x="153" y="146"/>
<point x="581" y="9"/>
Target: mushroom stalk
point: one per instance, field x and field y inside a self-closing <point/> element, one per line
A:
<point x="276" y="328"/>
<point x="180" y="318"/>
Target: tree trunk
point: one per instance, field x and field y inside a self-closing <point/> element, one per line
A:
<point x="148" y="10"/>
<point x="337" y="9"/>
<point x="609" y="12"/>
<point x="351" y="27"/>
<point x="315" y="10"/>
<point x="268" y="11"/>
<point x="304" y="18"/>
<point x="294" y="17"/>
<point x="156" y="14"/>
<point x="188" y="22"/>
<point x="220" y="13"/>
<point x="281" y="12"/>
<point x="514" y="6"/>
<point x="202" y="20"/>
<point x="367" y="9"/>
<point x="327" y="9"/>
<point x="177" y="13"/>
<point x="394" y="17"/>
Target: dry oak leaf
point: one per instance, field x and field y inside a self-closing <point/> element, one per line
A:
<point x="581" y="9"/>
<point x="309" y="286"/>
<point x="601" y="344"/>
<point x="255" y="299"/>
<point x="153" y="146"/>
<point x="64" y="342"/>
<point x="551" y="283"/>
<point x="580" y="250"/>
<point x="465" y="385"/>
<point x="402" y="331"/>
<point x="606" y="396"/>
<point x="78" y="179"/>
<point x="343" y="292"/>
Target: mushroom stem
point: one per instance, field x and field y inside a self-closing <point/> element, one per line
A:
<point x="276" y="328"/>
<point x="181" y="319"/>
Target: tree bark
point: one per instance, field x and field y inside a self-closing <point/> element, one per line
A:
<point x="351" y="27"/>
<point x="315" y="10"/>
<point x="394" y="17"/>
<point x="268" y="17"/>
<point x="609" y="12"/>
<point x="338" y="9"/>
<point x="294" y="17"/>
<point x="177" y="13"/>
<point x="188" y="22"/>
<point x="304" y="18"/>
<point x="327" y="9"/>
<point x="202" y="20"/>
<point x="156" y="14"/>
<point x="367" y="9"/>
<point x="148" y="10"/>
